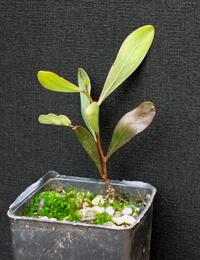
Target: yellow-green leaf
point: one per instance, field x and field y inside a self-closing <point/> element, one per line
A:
<point x="44" y="119"/>
<point x="53" y="82"/>
<point x="52" y="119"/>
<point x="92" y="114"/>
<point x="65" y="120"/>
<point x="86" y="81"/>
<point x="130" y="55"/>
<point x="55" y="120"/>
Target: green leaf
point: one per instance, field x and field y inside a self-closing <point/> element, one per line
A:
<point x="53" y="82"/>
<point x="92" y="114"/>
<point x="44" y="119"/>
<point x="130" y="125"/>
<point x="52" y="119"/>
<point x="84" y="83"/>
<point x="130" y="55"/>
<point x="65" y="120"/>
<point x="89" y="145"/>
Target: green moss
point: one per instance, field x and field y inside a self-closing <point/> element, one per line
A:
<point x="116" y="208"/>
<point x="101" y="218"/>
<point x="125" y="204"/>
<point x="60" y="206"/>
<point x="74" y="216"/>
<point x="67" y="206"/>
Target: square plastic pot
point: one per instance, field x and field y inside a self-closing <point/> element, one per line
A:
<point x="33" y="238"/>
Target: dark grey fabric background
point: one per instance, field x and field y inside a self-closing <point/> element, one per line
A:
<point x="61" y="36"/>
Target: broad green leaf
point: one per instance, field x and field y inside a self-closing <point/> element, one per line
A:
<point x="52" y="119"/>
<point x="89" y="145"/>
<point x="130" y="55"/>
<point x="53" y="82"/>
<point x="84" y="83"/>
<point x="92" y="114"/>
<point x="130" y="125"/>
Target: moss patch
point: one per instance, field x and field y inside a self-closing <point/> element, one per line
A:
<point x="67" y="204"/>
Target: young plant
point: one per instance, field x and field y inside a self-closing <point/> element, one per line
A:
<point x="130" y="55"/>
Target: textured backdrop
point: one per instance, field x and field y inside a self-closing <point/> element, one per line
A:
<point x="61" y="36"/>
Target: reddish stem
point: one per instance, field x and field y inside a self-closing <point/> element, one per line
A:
<point x="110" y="190"/>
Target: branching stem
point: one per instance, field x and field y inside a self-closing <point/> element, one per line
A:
<point x="88" y="95"/>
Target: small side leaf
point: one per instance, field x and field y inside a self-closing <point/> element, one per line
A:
<point x="130" y="55"/>
<point x="65" y="120"/>
<point x="53" y="82"/>
<point x="89" y="145"/>
<point x="130" y="125"/>
<point x="84" y="83"/>
<point x="92" y="114"/>
<point x="44" y="119"/>
<point x="52" y="119"/>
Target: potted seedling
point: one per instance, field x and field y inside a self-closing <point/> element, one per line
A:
<point x="42" y="236"/>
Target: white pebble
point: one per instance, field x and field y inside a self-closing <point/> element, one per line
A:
<point x="135" y="215"/>
<point x="148" y="196"/>
<point x="128" y="219"/>
<point x="99" y="209"/>
<point x="88" y="216"/>
<point x="82" y="211"/>
<point x="118" y="221"/>
<point x="110" y="210"/>
<point x="127" y="211"/>
<point x="131" y="206"/>
<point x="44" y="218"/>
<point x="97" y="200"/>
<point x="109" y="224"/>
<point x="53" y="219"/>
<point x="117" y="214"/>
<point x="85" y="205"/>
<point x="102" y="201"/>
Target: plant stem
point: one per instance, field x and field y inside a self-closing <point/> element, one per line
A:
<point x="88" y="95"/>
<point x="110" y="190"/>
